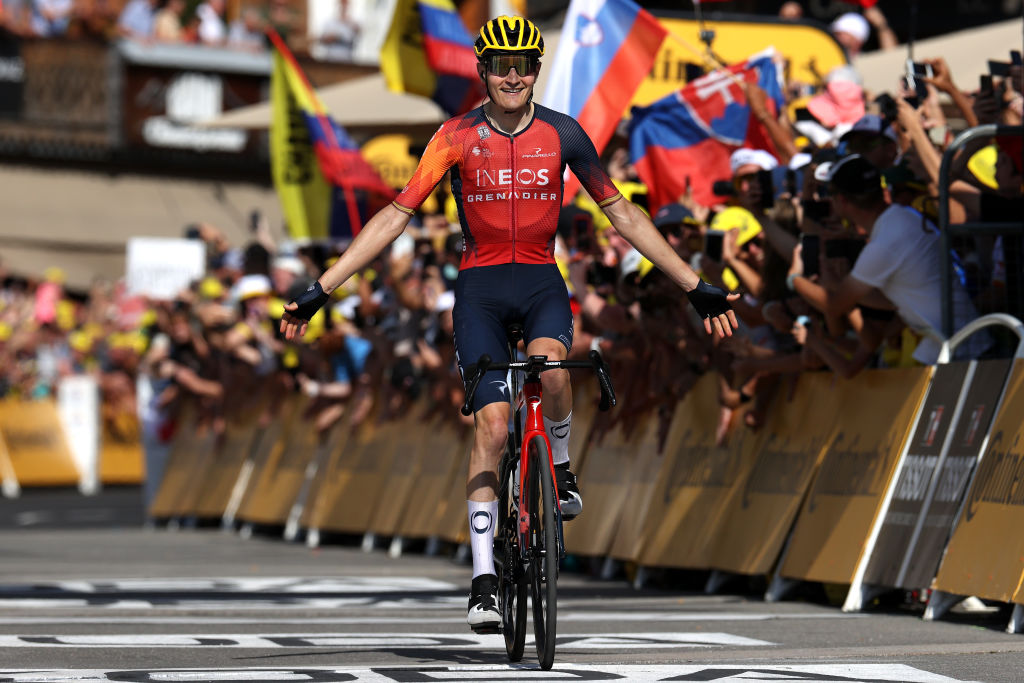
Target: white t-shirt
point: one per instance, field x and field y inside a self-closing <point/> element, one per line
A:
<point x="903" y="258"/>
<point x="211" y="27"/>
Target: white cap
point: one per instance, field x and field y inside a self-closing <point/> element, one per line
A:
<point x="854" y="24"/>
<point x="291" y="264"/>
<point x="745" y="156"/>
<point x="249" y="286"/>
<point x="799" y="160"/>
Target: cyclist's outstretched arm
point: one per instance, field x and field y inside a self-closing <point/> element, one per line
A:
<point x="710" y="302"/>
<point x="381" y="230"/>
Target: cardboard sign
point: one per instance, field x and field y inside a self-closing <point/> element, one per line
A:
<point x="160" y="268"/>
<point x="875" y="416"/>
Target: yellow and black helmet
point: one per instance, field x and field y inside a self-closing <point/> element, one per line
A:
<point x="509" y="35"/>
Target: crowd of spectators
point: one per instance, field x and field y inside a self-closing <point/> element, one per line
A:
<point x="201" y="22"/>
<point x="831" y="240"/>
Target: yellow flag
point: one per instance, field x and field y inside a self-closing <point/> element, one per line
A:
<point x="403" y="60"/>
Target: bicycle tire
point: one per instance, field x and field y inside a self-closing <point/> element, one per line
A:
<point x="543" y="552"/>
<point x="512" y="584"/>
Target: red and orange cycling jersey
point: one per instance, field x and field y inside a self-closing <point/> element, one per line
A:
<point x="508" y="187"/>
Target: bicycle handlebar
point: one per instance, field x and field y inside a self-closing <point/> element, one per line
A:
<point x="538" y="364"/>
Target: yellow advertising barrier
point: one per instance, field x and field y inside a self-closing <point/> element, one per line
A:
<point x="193" y="440"/>
<point x="408" y="449"/>
<point x="876" y="415"/>
<point x="452" y="517"/>
<point x="218" y="479"/>
<point x="445" y="442"/>
<point x="756" y="523"/>
<point x="985" y="555"/>
<point x="283" y="475"/>
<point x="799" y="43"/>
<point x="267" y="454"/>
<point x="605" y="468"/>
<point x="696" y="481"/>
<point x="350" y="483"/>
<point x="122" y="460"/>
<point x="36" y="446"/>
<point x="639" y="477"/>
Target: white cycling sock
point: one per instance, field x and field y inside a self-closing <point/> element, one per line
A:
<point x="558" y="437"/>
<point x="482" y="517"/>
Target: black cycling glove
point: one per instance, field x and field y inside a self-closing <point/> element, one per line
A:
<point x="310" y="301"/>
<point x="709" y="301"/>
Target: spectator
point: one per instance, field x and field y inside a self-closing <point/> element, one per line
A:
<point x="901" y="260"/>
<point x="51" y="18"/>
<point x="136" y="20"/>
<point x="212" y="30"/>
<point x="246" y="32"/>
<point x="337" y="36"/>
<point x="874" y="139"/>
<point x="852" y="30"/>
<point x="167" y="26"/>
<point x="791" y="11"/>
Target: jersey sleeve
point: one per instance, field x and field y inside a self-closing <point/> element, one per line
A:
<point x="580" y="154"/>
<point x="439" y="156"/>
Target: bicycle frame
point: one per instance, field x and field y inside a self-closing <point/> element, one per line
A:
<point x="530" y="398"/>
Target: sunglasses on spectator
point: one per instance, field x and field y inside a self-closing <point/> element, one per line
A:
<point x="865" y="143"/>
<point x="500" y="65"/>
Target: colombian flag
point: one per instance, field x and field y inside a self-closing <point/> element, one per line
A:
<point x="429" y="52"/>
<point x="327" y="189"/>
<point x="606" y="49"/>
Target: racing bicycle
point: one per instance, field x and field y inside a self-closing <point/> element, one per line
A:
<point x="529" y="542"/>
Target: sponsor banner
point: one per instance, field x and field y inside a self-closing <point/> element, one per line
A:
<point x="283" y="422"/>
<point x="445" y="440"/>
<point x="697" y="480"/>
<point x="838" y="672"/>
<point x="353" y="477"/>
<point x="758" y="520"/>
<point x="231" y="450"/>
<point x="408" y="446"/>
<point x="605" y="470"/>
<point x="122" y="460"/>
<point x="907" y="558"/>
<point x="874" y="418"/>
<point x="985" y="555"/>
<point x="639" y="478"/>
<point x="35" y="443"/>
<point x="193" y="443"/>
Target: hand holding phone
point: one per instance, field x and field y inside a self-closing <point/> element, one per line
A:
<point x="713" y="240"/>
<point x="810" y="252"/>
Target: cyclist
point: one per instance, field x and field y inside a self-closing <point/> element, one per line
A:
<point x="506" y="160"/>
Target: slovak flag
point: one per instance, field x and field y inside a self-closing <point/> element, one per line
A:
<point x="689" y="135"/>
<point x="606" y="49"/>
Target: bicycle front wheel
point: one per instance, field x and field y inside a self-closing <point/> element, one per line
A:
<point x="543" y="551"/>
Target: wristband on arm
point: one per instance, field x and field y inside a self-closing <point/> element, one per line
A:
<point x="310" y="301"/>
<point x="709" y="301"/>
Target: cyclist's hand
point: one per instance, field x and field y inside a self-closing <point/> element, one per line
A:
<point x="712" y="304"/>
<point x="297" y="313"/>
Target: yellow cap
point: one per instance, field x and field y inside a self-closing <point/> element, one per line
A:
<point x="211" y="288"/>
<point x="983" y="166"/>
<point x="737" y="218"/>
<point x="54" y="274"/>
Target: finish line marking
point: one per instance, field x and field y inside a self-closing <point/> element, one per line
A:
<point x="876" y="673"/>
<point x="375" y="641"/>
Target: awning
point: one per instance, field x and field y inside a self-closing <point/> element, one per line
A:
<point x="966" y="52"/>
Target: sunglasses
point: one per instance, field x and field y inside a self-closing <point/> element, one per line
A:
<point x="500" y="65"/>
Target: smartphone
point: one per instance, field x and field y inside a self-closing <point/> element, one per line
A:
<point x="887" y="107"/>
<point x="817" y="209"/>
<point x="844" y="247"/>
<point x="804" y="114"/>
<point x="713" y="245"/>
<point x="985" y="83"/>
<point x="810" y="252"/>
<point x="914" y="81"/>
<point x="723" y="188"/>
<point x="1015" y="58"/>
<point x="767" y="189"/>
<point x="1001" y="69"/>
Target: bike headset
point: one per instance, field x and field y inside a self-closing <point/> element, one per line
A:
<point x="506" y="35"/>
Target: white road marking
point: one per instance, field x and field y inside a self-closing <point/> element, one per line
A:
<point x="576" y="617"/>
<point x="573" y="672"/>
<point x="234" y="605"/>
<point x="290" y="584"/>
<point x="380" y="641"/>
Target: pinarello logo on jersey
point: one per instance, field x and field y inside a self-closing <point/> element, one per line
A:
<point x="539" y="153"/>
